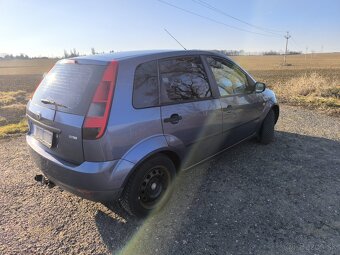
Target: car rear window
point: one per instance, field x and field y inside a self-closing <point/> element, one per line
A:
<point x="71" y="85"/>
<point x="145" y="85"/>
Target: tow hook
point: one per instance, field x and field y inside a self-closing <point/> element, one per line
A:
<point x="44" y="181"/>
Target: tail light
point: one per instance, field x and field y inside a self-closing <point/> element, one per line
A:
<point x="99" y="111"/>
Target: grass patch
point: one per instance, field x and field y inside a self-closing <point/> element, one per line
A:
<point x="14" y="107"/>
<point x="3" y="120"/>
<point x="20" y="127"/>
<point x="11" y="97"/>
<point x="329" y="105"/>
<point x="311" y="90"/>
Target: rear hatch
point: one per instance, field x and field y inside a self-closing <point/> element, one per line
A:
<point x="59" y="106"/>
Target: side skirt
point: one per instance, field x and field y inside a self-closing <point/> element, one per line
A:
<point x="210" y="157"/>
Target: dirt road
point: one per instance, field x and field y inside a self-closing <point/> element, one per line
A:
<point x="283" y="198"/>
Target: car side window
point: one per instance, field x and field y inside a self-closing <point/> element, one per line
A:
<point x="229" y="78"/>
<point x="183" y="79"/>
<point x="145" y="85"/>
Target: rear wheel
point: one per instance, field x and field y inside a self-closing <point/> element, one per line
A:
<point x="266" y="134"/>
<point x="149" y="187"/>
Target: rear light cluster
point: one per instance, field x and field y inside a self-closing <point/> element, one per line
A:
<point x="98" y="114"/>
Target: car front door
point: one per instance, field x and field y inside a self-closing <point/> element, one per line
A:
<point x="190" y="114"/>
<point x="241" y="106"/>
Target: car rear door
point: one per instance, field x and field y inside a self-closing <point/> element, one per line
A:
<point x="58" y="107"/>
<point x="188" y="110"/>
<point x="241" y="106"/>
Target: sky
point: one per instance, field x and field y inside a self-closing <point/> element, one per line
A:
<point x="46" y="28"/>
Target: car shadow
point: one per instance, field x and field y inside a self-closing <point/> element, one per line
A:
<point x="282" y="198"/>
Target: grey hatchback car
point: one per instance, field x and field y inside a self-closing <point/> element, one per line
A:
<point x="120" y="126"/>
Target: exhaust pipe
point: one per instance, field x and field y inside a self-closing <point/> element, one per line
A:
<point x="44" y="181"/>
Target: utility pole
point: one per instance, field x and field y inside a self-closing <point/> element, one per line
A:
<point x="287" y="36"/>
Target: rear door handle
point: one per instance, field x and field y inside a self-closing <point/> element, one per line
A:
<point x="227" y="109"/>
<point x="174" y="118"/>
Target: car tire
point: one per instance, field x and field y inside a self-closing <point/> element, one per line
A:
<point x="266" y="134"/>
<point x="149" y="187"/>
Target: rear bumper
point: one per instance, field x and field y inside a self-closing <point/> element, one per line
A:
<point x="96" y="181"/>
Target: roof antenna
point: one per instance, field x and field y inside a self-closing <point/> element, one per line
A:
<point x="174" y="38"/>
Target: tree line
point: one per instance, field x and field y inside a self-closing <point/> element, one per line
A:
<point x="11" y="56"/>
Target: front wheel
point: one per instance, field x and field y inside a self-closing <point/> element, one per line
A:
<point x="149" y="187"/>
<point x="266" y="134"/>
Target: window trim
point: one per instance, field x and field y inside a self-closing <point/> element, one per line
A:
<point x="233" y="63"/>
<point x="185" y="101"/>
<point x="215" y="94"/>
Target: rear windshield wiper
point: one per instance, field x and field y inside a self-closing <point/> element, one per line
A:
<point x="47" y="101"/>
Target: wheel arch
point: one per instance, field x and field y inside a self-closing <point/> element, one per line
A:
<point x="148" y="148"/>
<point x="173" y="156"/>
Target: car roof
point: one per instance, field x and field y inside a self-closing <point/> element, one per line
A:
<point x="124" y="55"/>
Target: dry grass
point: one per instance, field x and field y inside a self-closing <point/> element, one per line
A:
<point x="7" y="130"/>
<point x="15" y="107"/>
<point x="312" y="90"/>
<point x="308" y="85"/>
<point x="12" y="106"/>
<point x="11" y="97"/>
<point x="3" y="121"/>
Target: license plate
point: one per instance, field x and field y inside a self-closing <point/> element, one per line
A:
<point x="43" y="135"/>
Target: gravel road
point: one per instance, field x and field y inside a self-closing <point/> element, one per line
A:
<point x="283" y="198"/>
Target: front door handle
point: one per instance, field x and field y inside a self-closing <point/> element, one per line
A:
<point x="174" y="118"/>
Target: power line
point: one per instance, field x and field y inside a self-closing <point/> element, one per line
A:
<point x="215" y="21"/>
<point x="297" y="44"/>
<point x="213" y="8"/>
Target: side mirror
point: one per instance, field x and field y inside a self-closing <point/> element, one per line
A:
<point x="260" y="87"/>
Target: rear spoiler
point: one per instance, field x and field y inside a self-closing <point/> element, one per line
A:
<point x="83" y="61"/>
